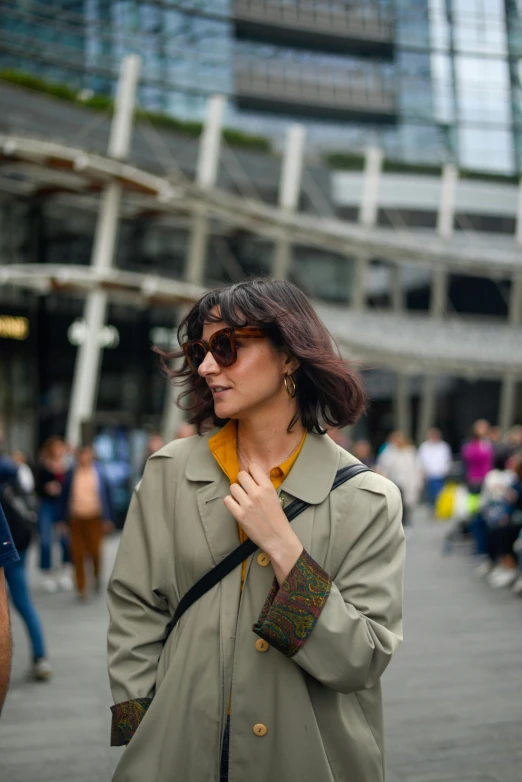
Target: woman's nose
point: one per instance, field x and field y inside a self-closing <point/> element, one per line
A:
<point x="208" y="366"/>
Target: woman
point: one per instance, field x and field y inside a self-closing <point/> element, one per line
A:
<point x="296" y="697"/>
<point x="398" y="462"/>
<point x="85" y="509"/>
<point x="478" y="455"/>
<point x="50" y="477"/>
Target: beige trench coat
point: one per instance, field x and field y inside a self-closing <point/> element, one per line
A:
<point x="322" y="707"/>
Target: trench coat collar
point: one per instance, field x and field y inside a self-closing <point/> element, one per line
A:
<point x="310" y="479"/>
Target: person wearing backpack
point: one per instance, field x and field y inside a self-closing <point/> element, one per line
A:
<point x="20" y="508"/>
<point x="8" y="555"/>
<point x="270" y="669"/>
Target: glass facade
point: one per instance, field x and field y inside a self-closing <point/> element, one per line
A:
<point x="428" y="80"/>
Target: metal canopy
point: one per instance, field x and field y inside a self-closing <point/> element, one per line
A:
<point x="79" y="172"/>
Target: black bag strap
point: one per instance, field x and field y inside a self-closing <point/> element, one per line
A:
<point x="243" y="551"/>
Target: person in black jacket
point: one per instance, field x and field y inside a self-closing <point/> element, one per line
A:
<point x="20" y="508"/>
<point x="50" y="478"/>
<point x="8" y="555"/>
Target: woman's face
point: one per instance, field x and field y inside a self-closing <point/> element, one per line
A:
<point x="254" y="383"/>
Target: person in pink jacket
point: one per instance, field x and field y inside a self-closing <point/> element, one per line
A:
<point x="478" y="455"/>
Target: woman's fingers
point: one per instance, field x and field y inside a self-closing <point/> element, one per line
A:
<point x="259" y="475"/>
<point x="238" y="493"/>
<point x="247" y="482"/>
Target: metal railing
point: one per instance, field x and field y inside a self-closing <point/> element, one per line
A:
<point x="366" y="90"/>
<point x="366" y="20"/>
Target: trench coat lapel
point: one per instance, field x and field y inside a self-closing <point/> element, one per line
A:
<point x="311" y="479"/>
<point x="219" y="525"/>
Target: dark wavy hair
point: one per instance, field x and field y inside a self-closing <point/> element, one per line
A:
<point x="329" y="391"/>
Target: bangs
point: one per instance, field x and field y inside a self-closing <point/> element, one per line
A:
<point x="240" y="305"/>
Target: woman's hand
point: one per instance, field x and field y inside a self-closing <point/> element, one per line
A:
<point x="254" y="504"/>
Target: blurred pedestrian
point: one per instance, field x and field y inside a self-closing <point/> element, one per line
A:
<point x="502" y="492"/>
<point x="21" y="517"/>
<point x="513" y="440"/>
<point x="50" y="477"/>
<point x="270" y="384"/>
<point x="154" y="443"/>
<point x="339" y="437"/>
<point x="362" y="450"/>
<point x="478" y="455"/>
<point x="8" y="555"/>
<point x="398" y="462"/>
<point x="185" y="430"/>
<point x="85" y="508"/>
<point x="434" y="458"/>
<point x="25" y="474"/>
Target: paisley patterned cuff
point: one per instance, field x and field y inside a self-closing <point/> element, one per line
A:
<point x="126" y="717"/>
<point x="291" y="610"/>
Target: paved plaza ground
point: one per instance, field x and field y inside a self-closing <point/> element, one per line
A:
<point x="453" y="693"/>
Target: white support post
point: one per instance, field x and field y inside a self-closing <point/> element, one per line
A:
<point x="88" y="356"/>
<point x="448" y="192"/>
<point x="289" y="189"/>
<point x="206" y="177"/>
<point x="371" y="184"/>
<point x="368" y="211"/>
<point x="428" y="409"/>
<point x="396" y="290"/>
<point x="207" y="170"/>
<point x="401" y="407"/>
<point x="439" y="291"/>
<point x="508" y="392"/>
<point x="515" y="300"/>
<point x="359" y="282"/>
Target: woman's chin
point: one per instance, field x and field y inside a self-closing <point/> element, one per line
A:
<point x="223" y="411"/>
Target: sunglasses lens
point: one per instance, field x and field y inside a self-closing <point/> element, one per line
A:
<point x="223" y="349"/>
<point x="196" y="355"/>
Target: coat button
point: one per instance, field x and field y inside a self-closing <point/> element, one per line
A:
<point x="260" y="729"/>
<point x="263" y="559"/>
<point x="262" y="645"/>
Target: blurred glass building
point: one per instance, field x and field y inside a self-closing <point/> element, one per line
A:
<point x="426" y="80"/>
<point x="429" y="289"/>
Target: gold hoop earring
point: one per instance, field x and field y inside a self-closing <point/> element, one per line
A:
<point x="290" y="385"/>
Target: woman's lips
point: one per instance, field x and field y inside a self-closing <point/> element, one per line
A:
<point x="219" y="391"/>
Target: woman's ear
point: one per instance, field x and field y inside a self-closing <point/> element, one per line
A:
<point x="291" y="363"/>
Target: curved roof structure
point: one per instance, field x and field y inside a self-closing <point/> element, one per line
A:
<point x="27" y="164"/>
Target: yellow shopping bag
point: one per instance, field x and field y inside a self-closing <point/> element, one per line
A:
<point x="445" y="505"/>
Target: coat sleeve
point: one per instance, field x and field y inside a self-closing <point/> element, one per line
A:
<point x="344" y="632"/>
<point x="139" y="613"/>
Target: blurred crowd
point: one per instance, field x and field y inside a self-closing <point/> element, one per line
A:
<point x="61" y="506"/>
<point x="478" y="491"/>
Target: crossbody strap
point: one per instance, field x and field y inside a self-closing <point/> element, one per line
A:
<point x="243" y="551"/>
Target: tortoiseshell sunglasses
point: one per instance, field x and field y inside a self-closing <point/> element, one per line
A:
<point x="222" y="344"/>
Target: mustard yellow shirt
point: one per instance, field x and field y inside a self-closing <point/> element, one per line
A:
<point x="223" y="447"/>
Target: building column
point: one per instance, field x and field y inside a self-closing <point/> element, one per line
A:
<point x="206" y="177"/>
<point x="289" y="189"/>
<point x="401" y="404"/>
<point x="359" y="283"/>
<point x="439" y="294"/>
<point x="368" y="211"/>
<point x="508" y="392"/>
<point x="509" y="388"/>
<point x="88" y="357"/>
